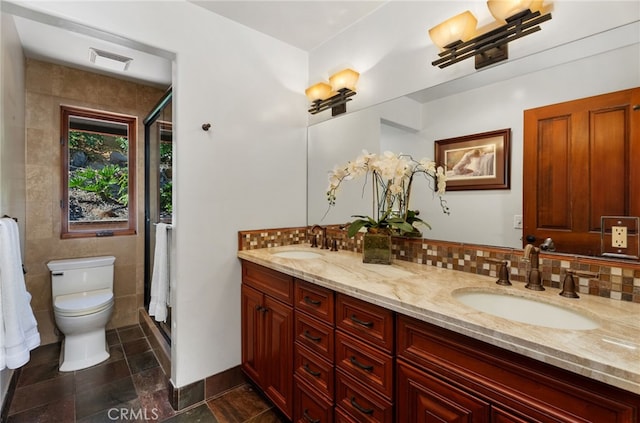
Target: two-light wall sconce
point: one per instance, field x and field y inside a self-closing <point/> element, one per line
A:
<point x="334" y="95"/>
<point x="458" y="40"/>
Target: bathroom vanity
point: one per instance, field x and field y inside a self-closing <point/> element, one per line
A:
<point x="330" y="339"/>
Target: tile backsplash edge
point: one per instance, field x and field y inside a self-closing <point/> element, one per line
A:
<point x="618" y="280"/>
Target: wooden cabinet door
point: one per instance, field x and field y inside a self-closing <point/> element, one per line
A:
<point x="580" y="163"/>
<point x="422" y="398"/>
<point x="279" y="354"/>
<point x="252" y="334"/>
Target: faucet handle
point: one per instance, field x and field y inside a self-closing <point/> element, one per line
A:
<point x="503" y="271"/>
<point x="569" y="284"/>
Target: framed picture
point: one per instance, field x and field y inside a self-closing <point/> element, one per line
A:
<point x="479" y="161"/>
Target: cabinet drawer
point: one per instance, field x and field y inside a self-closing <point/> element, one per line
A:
<point x="309" y="406"/>
<point x="273" y="283"/>
<point x="365" y="321"/>
<point x="370" y="366"/>
<point x="314" y="370"/>
<point x="315" y="335"/>
<point x="315" y="300"/>
<point x="421" y="394"/>
<point x="509" y="381"/>
<point x="360" y="403"/>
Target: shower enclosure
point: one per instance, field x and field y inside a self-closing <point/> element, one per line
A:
<point x="158" y="155"/>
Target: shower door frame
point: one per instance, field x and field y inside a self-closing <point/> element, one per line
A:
<point x="151" y="118"/>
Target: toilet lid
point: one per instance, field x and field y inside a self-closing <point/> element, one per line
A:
<point x="83" y="303"/>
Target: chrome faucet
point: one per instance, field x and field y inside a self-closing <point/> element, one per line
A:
<point x="314" y="241"/>
<point x="534" y="281"/>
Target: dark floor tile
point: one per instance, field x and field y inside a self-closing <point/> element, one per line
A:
<point x="199" y="414"/>
<point x="112" y="337"/>
<point x="49" y="353"/>
<point x="115" y="353"/>
<point x="101" y="374"/>
<point x="269" y="416"/>
<point x="55" y="412"/>
<point x="143" y="361"/>
<point x="136" y="347"/>
<point x="42" y="393"/>
<point x="150" y="381"/>
<point x="156" y="405"/>
<point x="130" y="333"/>
<point x="104" y="397"/>
<point x="126" y="412"/>
<point x="38" y="373"/>
<point x="238" y="405"/>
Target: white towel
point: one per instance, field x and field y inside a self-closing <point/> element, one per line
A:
<point x="18" y="327"/>
<point x="160" y="277"/>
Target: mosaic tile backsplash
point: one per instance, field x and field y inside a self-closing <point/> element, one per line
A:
<point x="617" y="279"/>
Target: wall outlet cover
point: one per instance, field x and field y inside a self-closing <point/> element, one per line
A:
<point x="619" y="236"/>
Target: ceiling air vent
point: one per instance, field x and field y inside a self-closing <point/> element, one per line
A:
<point x="109" y="60"/>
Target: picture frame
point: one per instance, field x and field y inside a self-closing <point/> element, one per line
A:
<point x="476" y="162"/>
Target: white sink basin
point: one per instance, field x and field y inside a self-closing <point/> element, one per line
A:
<point x="298" y="255"/>
<point x="525" y="310"/>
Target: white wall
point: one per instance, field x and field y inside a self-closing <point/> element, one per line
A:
<point x="12" y="139"/>
<point x="248" y="171"/>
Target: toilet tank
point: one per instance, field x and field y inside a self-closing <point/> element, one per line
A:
<point x="70" y="276"/>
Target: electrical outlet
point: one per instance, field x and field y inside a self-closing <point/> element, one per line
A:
<point x="517" y="221"/>
<point x="619" y="236"/>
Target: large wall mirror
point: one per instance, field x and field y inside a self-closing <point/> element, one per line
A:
<point x="470" y="105"/>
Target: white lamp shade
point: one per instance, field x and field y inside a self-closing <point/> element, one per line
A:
<point x="319" y="91"/>
<point x="461" y="27"/>
<point x="346" y="78"/>
<point x="503" y="9"/>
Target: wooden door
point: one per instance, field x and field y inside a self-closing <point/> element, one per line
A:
<point x="581" y="162"/>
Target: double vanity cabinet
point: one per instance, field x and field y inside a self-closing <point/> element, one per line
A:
<point x="322" y="355"/>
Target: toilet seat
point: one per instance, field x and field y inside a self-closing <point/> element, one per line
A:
<point x="83" y="303"/>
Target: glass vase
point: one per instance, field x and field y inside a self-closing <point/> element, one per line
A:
<point x="376" y="248"/>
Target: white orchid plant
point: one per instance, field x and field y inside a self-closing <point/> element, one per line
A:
<point x="392" y="177"/>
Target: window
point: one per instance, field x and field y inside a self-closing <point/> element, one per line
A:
<point x="98" y="173"/>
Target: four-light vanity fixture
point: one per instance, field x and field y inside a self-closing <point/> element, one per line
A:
<point x="334" y="95"/>
<point x="458" y="40"/>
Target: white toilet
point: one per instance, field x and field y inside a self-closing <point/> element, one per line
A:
<point x="82" y="291"/>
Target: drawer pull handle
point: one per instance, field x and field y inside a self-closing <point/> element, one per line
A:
<point x="311" y="301"/>
<point x="361" y="322"/>
<point x="356" y="363"/>
<point x="311" y="337"/>
<point x="308" y="418"/>
<point x="311" y="372"/>
<point x="361" y="408"/>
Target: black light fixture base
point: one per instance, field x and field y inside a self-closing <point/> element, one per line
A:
<point x="491" y="56"/>
<point x="337" y="103"/>
<point x="491" y="47"/>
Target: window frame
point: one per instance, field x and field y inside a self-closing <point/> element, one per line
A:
<point x="97" y="229"/>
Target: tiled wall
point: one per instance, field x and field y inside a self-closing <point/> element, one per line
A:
<point x="47" y="87"/>
<point x="617" y="279"/>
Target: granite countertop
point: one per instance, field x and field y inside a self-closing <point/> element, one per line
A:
<point x="609" y="353"/>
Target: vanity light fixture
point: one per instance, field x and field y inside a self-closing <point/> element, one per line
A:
<point x="334" y="96"/>
<point x="454" y="36"/>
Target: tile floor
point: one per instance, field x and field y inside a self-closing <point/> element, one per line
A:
<point x="130" y="386"/>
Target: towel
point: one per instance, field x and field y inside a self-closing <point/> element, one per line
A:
<point x="160" y="277"/>
<point x="18" y="327"/>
